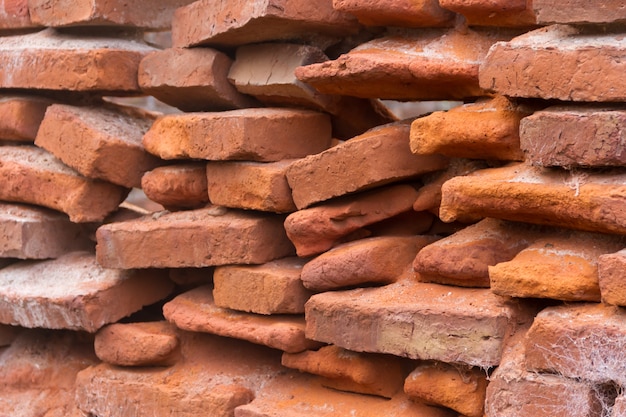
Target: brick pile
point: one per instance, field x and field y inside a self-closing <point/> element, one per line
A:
<point x="289" y="247"/>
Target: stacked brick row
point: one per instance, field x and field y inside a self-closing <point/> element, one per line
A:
<point x="316" y="255"/>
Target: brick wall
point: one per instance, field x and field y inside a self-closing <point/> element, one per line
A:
<point x="209" y="208"/>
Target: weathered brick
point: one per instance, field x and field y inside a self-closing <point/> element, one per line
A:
<point x="364" y="373"/>
<point x="20" y="117"/>
<point x="416" y="320"/>
<point x="562" y="265"/>
<point x="463" y="258"/>
<point x="457" y="387"/>
<point x="513" y="13"/>
<point x="66" y="62"/>
<point x="422" y="13"/>
<point x="582" y="341"/>
<point x="271" y="288"/>
<point x="589" y="201"/>
<point x="196" y="311"/>
<point x="138" y="344"/>
<point x="375" y="260"/>
<point x="218" y="236"/>
<point x="213" y="22"/>
<point x="147" y="14"/>
<point x="266" y="71"/>
<point x="74" y="292"/>
<point x="612" y="277"/>
<point x="317" y="229"/>
<point x="28" y="232"/>
<point x="99" y="142"/>
<point x="487" y="129"/>
<point x="182" y="185"/>
<point x="250" y="185"/>
<point x="14" y="14"/>
<point x="574" y="136"/>
<point x="523" y="66"/>
<point x="263" y="135"/>
<point x="619" y="407"/>
<point x="32" y="175"/>
<point x="191" y="79"/>
<point x="429" y="64"/>
<point x="579" y="11"/>
<point x="377" y="157"/>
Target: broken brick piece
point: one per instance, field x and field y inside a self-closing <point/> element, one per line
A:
<point x="74" y="292"/>
<point x="421" y="13"/>
<point x="612" y="277"/>
<point x="32" y="175"/>
<point x="99" y="142"/>
<point x="20" y="117"/>
<point x="263" y="135"/>
<point x="507" y="13"/>
<point x="177" y="186"/>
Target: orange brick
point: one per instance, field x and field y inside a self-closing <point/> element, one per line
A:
<point x="20" y="117"/>
<point x="422" y="13"/>
<point x="182" y="185"/>
<point x="191" y="79"/>
<point x="263" y="135"/>
<point x="612" y="277"/>
<point x="513" y="13"/>
<point x="32" y="175"/>
<point x="14" y="14"/>
<point x="579" y="12"/>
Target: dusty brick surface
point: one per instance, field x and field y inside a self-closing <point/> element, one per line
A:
<point x="212" y="22"/>
<point x="263" y="135"/>
<point x="220" y="237"/>
<point x="14" y="15"/>
<point x="138" y="344"/>
<point x="612" y="277"/>
<point x="182" y="185"/>
<point x="514" y="13"/>
<point x="375" y="260"/>
<point x="422" y="13"/>
<point x="20" y="117"/>
<point x="464" y="257"/>
<point x="579" y="12"/>
<point x="377" y="157"/>
<point x="196" y="311"/>
<point x="151" y="14"/>
<point x="317" y="229"/>
<point x="250" y="185"/>
<point x="559" y="265"/>
<point x="619" y="408"/>
<point x="460" y="388"/>
<point x="487" y="129"/>
<point x="28" y="232"/>
<point x="364" y="373"/>
<point x="66" y="62"/>
<point x="575" y="136"/>
<point x="271" y="288"/>
<point x="99" y="142"/>
<point x="191" y="79"/>
<point x="585" y="201"/>
<point x="74" y="292"/>
<point x="32" y="175"/>
<point x="407" y="65"/>
<point x="415" y="320"/>
<point x="528" y="59"/>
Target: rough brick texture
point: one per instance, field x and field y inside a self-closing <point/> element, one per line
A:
<point x="20" y="117"/>
<point x="182" y="185"/>
<point x="579" y="11"/>
<point x="612" y="277"/>
<point x="408" y="13"/>
<point x="14" y="14"/>
<point x="513" y="13"/>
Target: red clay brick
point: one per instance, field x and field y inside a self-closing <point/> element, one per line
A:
<point x="219" y="237"/>
<point x="408" y="65"/>
<point x="250" y="185"/>
<point x="28" y="232"/>
<point x="20" y="117"/>
<point x="578" y="200"/>
<point x="182" y="185"/>
<point x="612" y="277"/>
<point x="150" y="14"/>
<point x="574" y="136"/>
<point x="32" y="175"/>
<point x="377" y="157"/>
<point x="74" y="292"/>
<point x="271" y="288"/>
<point x="487" y="129"/>
<point x="421" y="13"/>
<point x="191" y="79"/>
<point x="14" y="14"/>
<point x="196" y="311"/>
<point x="414" y="319"/>
<point x="375" y="260"/>
<point x="513" y="13"/>
<point x="263" y="135"/>
<point x="213" y="22"/>
<point x="317" y="229"/>
<point x="66" y="62"/>
<point x="529" y="61"/>
<point x="579" y="11"/>
<point x="99" y="142"/>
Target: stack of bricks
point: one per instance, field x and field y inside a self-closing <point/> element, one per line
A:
<point x="291" y="248"/>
